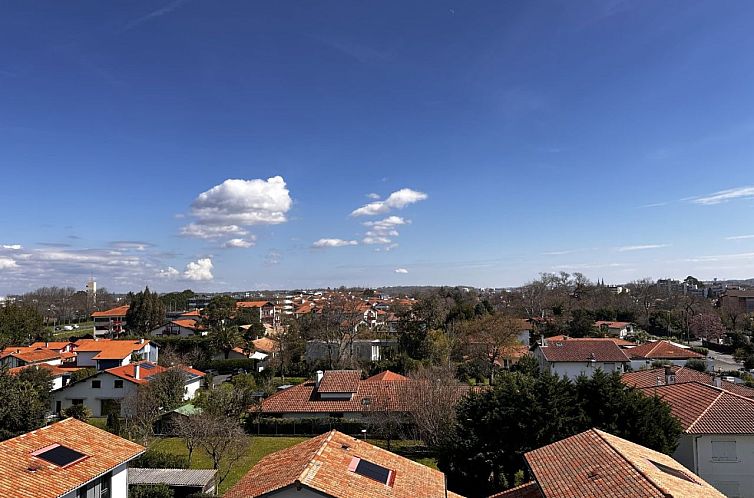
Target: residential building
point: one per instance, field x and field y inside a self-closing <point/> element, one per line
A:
<point x="60" y="376"/>
<point x="717" y="443"/>
<point x="644" y="355"/>
<point x="358" y="350"/>
<point x="335" y="465"/>
<point x="339" y="394"/>
<point x="110" y="322"/>
<point x="104" y="392"/>
<point x="267" y="312"/>
<point x="597" y="464"/>
<point x="180" y="327"/>
<point x="19" y="356"/>
<point x="183" y="482"/>
<point x="615" y="329"/>
<point x="740" y="299"/>
<point x="679" y="375"/>
<point x="108" y="353"/>
<point x="68" y="459"/>
<point x="572" y="358"/>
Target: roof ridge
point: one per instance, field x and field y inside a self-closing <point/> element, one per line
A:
<point x="704" y="412"/>
<point x="310" y="463"/>
<point x="630" y="463"/>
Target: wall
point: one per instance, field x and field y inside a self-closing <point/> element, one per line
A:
<point x="572" y="370"/>
<point x="726" y="476"/>
<point x="92" y="397"/>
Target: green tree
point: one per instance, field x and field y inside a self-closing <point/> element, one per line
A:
<point x="25" y="401"/>
<point x="146" y="312"/>
<point x="168" y="388"/>
<point x="225" y="337"/>
<point x="19" y="325"/>
<point x="150" y="491"/>
<point x="220" y="309"/>
<point x="79" y="412"/>
<point x="177" y="301"/>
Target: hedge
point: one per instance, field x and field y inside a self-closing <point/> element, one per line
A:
<point x="270" y="426"/>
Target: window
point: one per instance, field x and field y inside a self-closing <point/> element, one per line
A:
<point x="77" y="401"/>
<point x="96" y="384"/>
<point x="673" y="472"/>
<point x="118" y="384"/>
<point x="59" y="455"/>
<point x="372" y="471"/>
<point x="724" y="451"/>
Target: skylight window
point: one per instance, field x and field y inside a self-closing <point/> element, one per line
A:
<point x="372" y="471"/>
<point x="59" y="455"/>
<point x="673" y="472"/>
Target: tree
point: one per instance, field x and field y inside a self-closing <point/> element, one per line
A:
<point x="223" y="439"/>
<point x="150" y="491"/>
<point x="491" y="336"/>
<point x="225" y="337"/>
<point x="383" y="420"/>
<point x="221" y="309"/>
<point x="79" y="412"/>
<point x="168" y="388"/>
<point x="495" y="427"/>
<point x="227" y="400"/>
<point x="177" y="301"/>
<point x="25" y="401"/>
<point x="708" y="326"/>
<point x="146" y="312"/>
<point x="189" y="430"/>
<point x="291" y="347"/>
<point x="19" y="325"/>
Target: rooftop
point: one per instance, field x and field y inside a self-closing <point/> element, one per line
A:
<point x="23" y="474"/>
<point x="656" y="377"/>
<point x="662" y="350"/>
<point x="583" y="350"/>
<point x="110" y="349"/>
<point x="340" y="381"/>
<point x="119" y="311"/>
<point x="171" y="477"/>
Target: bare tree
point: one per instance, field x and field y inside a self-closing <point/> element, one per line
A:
<point x="384" y="417"/>
<point x="190" y="430"/>
<point x="141" y="409"/>
<point x="224" y="441"/>
<point x="492" y="336"/>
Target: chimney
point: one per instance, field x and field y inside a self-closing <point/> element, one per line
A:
<point x="137" y="371"/>
<point x="141" y="341"/>
<point x="669" y="376"/>
<point x="320" y="374"/>
<point x="718" y="380"/>
<point x="47" y="344"/>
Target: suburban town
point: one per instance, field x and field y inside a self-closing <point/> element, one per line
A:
<point x="340" y="249"/>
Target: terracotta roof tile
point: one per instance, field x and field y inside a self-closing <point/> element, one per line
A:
<point x="146" y="370"/>
<point x="109" y="349"/>
<point x="571" y="351"/>
<point x="119" y="311"/>
<point x="340" y="381"/>
<point x="104" y="452"/>
<point x="252" y="304"/>
<point x="386" y="376"/>
<point x="527" y="490"/>
<point x="30" y="355"/>
<point x="661" y="350"/>
<point x="656" y="377"/>
<point x="595" y="463"/>
<point x="322" y="464"/>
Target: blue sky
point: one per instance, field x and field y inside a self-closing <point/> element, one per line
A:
<point x="516" y="137"/>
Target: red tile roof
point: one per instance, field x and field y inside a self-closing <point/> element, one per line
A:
<point x="104" y="452"/>
<point x="598" y="464"/>
<point x="252" y="304"/>
<point x="109" y="349"/>
<point x="527" y="490"/>
<point x="119" y="311"/>
<point x="656" y="377"/>
<point x="340" y="381"/>
<point x="54" y="370"/>
<point x="704" y="409"/>
<point x="186" y="323"/>
<point x="192" y="313"/>
<point x="661" y="350"/>
<point x="618" y="342"/>
<point x="55" y="345"/>
<point x="585" y="350"/>
<point x="266" y="345"/>
<point x="322" y="464"/>
<point x="386" y="376"/>
<point x="146" y="370"/>
<point x="28" y="354"/>
<point x="612" y="325"/>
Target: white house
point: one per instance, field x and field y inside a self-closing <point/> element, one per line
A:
<point x="68" y="459"/>
<point x="103" y="393"/>
<point x="19" y="356"/>
<point x="615" y="329"/>
<point x="110" y="322"/>
<point x="572" y="358"/>
<point x="182" y="327"/>
<point x="109" y="353"/>
<point x="718" y="434"/>
<point x="645" y="355"/>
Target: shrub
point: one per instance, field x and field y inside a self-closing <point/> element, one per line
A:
<point x="228" y="366"/>
<point x="698" y="349"/>
<point x="80" y="412"/>
<point x="150" y="491"/>
<point x="749" y="362"/>
<point x="697" y="364"/>
<point x="154" y="459"/>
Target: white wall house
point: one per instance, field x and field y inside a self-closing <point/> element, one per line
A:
<point x="178" y="328"/>
<point x="108" y="353"/>
<point x="718" y="439"/>
<point x="104" y="392"/>
<point x="645" y="355"/>
<point x="572" y="358"/>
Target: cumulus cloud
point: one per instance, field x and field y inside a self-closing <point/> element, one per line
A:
<point x="199" y="270"/>
<point x="382" y="231"/>
<point x="7" y="263"/>
<point x="725" y="196"/>
<point x="397" y="200"/>
<point x="643" y="247"/>
<point x="169" y="272"/>
<point x="322" y="243"/>
<point x="239" y="243"/>
<point x="12" y="247"/>
<point x="228" y="208"/>
<point x="401" y="270"/>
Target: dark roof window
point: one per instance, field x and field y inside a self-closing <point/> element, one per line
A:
<point x="372" y="471"/>
<point x="673" y="472"/>
<point x="59" y="455"/>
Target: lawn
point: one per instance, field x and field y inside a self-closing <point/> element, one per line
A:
<point x="260" y="447"/>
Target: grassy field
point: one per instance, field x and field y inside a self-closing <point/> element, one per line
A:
<point x="84" y="328"/>
<point x="260" y="447"/>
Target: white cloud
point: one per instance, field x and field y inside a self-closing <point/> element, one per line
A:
<point x="273" y="258"/>
<point x="373" y="196"/>
<point x="401" y="270"/>
<point x="725" y="196"/>
<point x="227" y="208"/>
<point x="12" y="247"/>
<point x="321" y="243"/>
<point x="397" y="200"/>
<point x="739" y="237"/>
<point x="6" y="263"/>
<point x="380" y="232"/>
<point x="642" y="247"/>
<point x="201" y="269"/>
<point x="130" y="245"/>
<point x="169" y="272"/>
<point x="239" y="243"/>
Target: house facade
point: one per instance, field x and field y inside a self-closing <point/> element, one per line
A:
<point x="358" y="350"/>
<point x="109" y="353"/>
<point x="621" y="330"/>
<point x="573" y="358"/>
<point x="110" y="322"/>
<point x="644" y="355"/>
